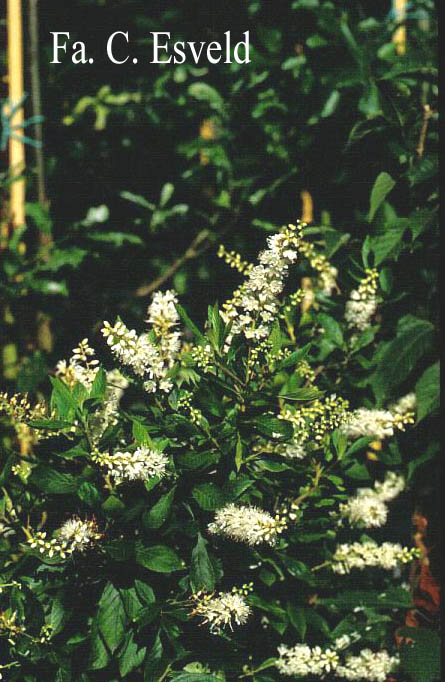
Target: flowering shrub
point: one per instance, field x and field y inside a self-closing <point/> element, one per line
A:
<point x="207" y="505"/>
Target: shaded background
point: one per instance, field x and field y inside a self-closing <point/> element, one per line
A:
<point x="148" y="168"/>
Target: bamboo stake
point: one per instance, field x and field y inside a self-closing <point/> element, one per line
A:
<point x="307" y="214"/>
<point x="16" y="147"/>
<point x="399" y="36"/>
<point x="36" y="98"/>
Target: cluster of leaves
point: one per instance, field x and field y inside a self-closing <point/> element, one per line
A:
<point x="326" y="88"/>
<point x="120" y="610"/>
<point x="324" y="79"/>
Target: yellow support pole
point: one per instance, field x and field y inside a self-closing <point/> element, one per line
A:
<point x="15" y="73"/>
<point x="399" y="36"/>
<point x="307" y="214"/>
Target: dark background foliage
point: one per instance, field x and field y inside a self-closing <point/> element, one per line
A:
<point x="149" y="167"/>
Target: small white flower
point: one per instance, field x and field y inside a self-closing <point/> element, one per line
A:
<point x="142" y="464"/>
<point x="302" y="660"/>
<point x="255" y="304"/>
<point x="359" y="555"/>
<point x="77" y="534"/>
<point x="368" y="666"/>
<point x="247" y="524"/>
<point x="221" y="610"/>
<point x="378" y="424"/>
<point x="368" y="510"/>
<point x="407" y="403"/>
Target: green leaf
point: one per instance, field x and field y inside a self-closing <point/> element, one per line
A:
<point x="331" y="104"/>
<point x="40" y="216"/>
<point x="157" y="515"/>
<point x="158" y="558"/>
<point x="208" y="496"/>
<point x="382" y="187"/>
<point x="428" y="391"/>
<point x="359" y="444"/>
<point x="421" y="659"/>
<point x="131" y="655"/>
<point x="198" y="460"/>
<point x="188" y="323"/>
<point x="53" y="482"/>
<point x="275" y="337"/>
<point x="206" y="93"/>
<point x="62" y="399"/>
<point x="202" y="575"/>
<point x="384" y="245"/>
<point x="166" y="193"/>
<point x="99" y="656"/>
<point x="370" y="103"/>
<point x="144" y="591"/>
<point x="113" y="506"/>
<point x="358" y="471"/>
<point x="111" y="618"/>
<point x="297" y="618"/>
<point x="59" y="258"/>
<point x="401" y="355"/>
<point x="272" y="427"/>
<point x="155" y="667"/>
<point x="89" y="494"/>
<point x="99" y="385"/>
<point x="137" y="199"/>
<point x="304" y="393"/>
<point x="140" y="434"/>
<point x="332" y="328"/>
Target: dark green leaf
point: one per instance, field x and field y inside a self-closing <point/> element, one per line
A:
<point x="157" y="515"/>
<point x="111" y="618"/>
<point x="158" y="558"/>
<point x="428" y="391"/>
<point x="202" y="576"/>
<point x="382" y="187"/>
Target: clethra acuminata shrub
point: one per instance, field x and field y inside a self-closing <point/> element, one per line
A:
<point x="216" y="509"/>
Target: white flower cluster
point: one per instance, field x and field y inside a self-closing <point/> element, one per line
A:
<point x="247" y="524"/>
<point x="362" y="303"/>
<point x="81" y="367"/>
<point x="78" y="534"/>
<point x="221" y="610"/>
<point x="407" y="403"/>
<point x="368" y="665"/>
<point x="107" y="415"/>
<point x="292" y="450"/>
<point x="150" y="356"/>
<point x="366" y="510"/>
<point x="368" y="506"/>
<point x="368" y="554"/>
<point x="74" y="535"/>
<point x="302" y="660"/>
<point x="164" y="318"/>
<point x="255" y="305"/>
<point x="391" y="487"/>
<point x="328" y="280"/>
<point x="318" y="418"/>
<point x="140" y="465"/>
<point x="378" y="424"/>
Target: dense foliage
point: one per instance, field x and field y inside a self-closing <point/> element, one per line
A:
<point x="153" y="177"/>
<point x="152" y="167"/>
<point x="240" y="486"/>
